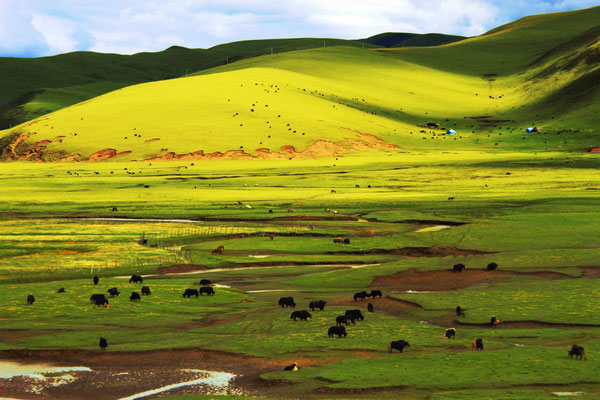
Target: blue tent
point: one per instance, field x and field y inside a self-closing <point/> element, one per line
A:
<point x="450" y="132"/>
<point x="529" y="130"/>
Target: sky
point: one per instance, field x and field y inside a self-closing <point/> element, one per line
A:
<point x="34" y="28"/>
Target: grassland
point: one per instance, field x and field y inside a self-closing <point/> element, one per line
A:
<point x="489" y="194"/>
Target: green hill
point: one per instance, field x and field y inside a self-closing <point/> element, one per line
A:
<point x="402" y="39"/>
<point x="42" y="85"/>
<point x="329" y="101"/>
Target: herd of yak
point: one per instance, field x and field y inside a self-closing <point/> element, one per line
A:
<point x="350" y="316"/>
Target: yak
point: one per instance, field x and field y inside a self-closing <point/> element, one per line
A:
<point x="30" y="299"/>
<point x="494" y="321"/>
<point x="375" y="293"/>
<point x="208" y="290"/>
<point x="135" y="296"/>
<point x="450" y="333"/>
<point x="458" y="267"/>
<point x="338" y="239"/>
<point x="96" y="280"/>
<point x="361" y="295"/>
<point x="492" y="266"/>
<point x="346" y="241"/>
<point x="113" y="292"/>
<point x="103" y="344"/>
<point x="190" y="292"/>
<point x="146" y="291"/>
<point x="460" y="312"/>
<point x="370" y="307"/>
<point x="478" y="344"/>
<point x="287" y="302"/>
<point x="61" y="290"/>
<point x="303" y="315"/>
<point x="317" y="304"/>
<point x="99" y="300"/>
<point x="398" y="345"/>
<point x="205" y="282"/>
<point x="337" y="330"/>
<point x="577" y="351"/>
<point x="341" y="319"/>
<point x="293" y="367"/>
<point x="354" y="315"/>
<point x="136" y="279"/>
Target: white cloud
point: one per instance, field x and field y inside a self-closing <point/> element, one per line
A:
<point x="58" y="33"/>
<point x="128" y="26"/>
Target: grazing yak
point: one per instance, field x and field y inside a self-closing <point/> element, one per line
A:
<point x="398" y="345"/>
<point x="103" y="344"/>
<point x="492" y="266"/>
<point x="287" y="302"/>
<point x="458" y="267"/>
<point x="338" y="239"/>
<point x="346" y="241"/>
<point x="207" y="290"/>
<point x="293" y="367"/>
<point x="190" y="292"/>
<point x="303" y="315"/>
<point x="30" y="299"/>
<point x="99" y="300"/>
<point x="478" y="344"/>
<point x="370" y="307"/>
<point x="135" y="296"/>
<point x="317" y="304"/>
<point x="113" y="292"/>
<point x="96" y="279"/>
<point x="291" y="210"/>
<point x="271" y="236"/>
<point x="205" y="282"/>
<point x="577" y="351"/>
<point x="494" y="321"/>
<point x="354" y="315"/>
<point x="146" y="291"/>
<point x="337" y="330"/>
<point x="460" y="312"/>
<point x="375" y="293"/>
<point x="136" y="279"/>
<point x="341" y="319"/>
<point x="361" y="295"/>
<point x="450" y="333"/>
<point x="61" y="290"/>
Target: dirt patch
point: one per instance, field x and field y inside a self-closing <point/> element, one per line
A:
<point x="416" y="252"/>
<point x="528" y="324"/>
<point x="595" y="150"/>
<point x="152" y="140"/>
<point x="590" y="272"/>
<point x="319" y="149"/>
<point x="105" y="154"/>
<point x="385" y="304"/>
<point x="122" y="374"/>
<point x="448" y="280"/>
<point x="179" y="268"/>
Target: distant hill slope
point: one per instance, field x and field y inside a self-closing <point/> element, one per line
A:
<point x="38" y="86"/>
<point x="542" y="71"/>
<point x="401" y="39"/>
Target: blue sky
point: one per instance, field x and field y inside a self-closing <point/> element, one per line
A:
<point x="33" y="28"/>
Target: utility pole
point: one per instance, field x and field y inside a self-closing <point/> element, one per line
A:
<point x="323" y="43"/>
<point x="271" y="51"/>
<point x="226" y="60"/>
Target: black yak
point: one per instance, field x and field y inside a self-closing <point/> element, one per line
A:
<point x="135" y="296"/>
<point x="337" y="330"/>
<point x="458" y="267"/>
<point x="30" y="299"/>
<point x="190" y="292"/>
<point x="103" y="344"/>
<point x="361" y="295"/>
<point x="577" y="351"/>
<point x="136" y="279"/>
<point x="303" y="315"/>
<point x="113" y="292"/>
<point x="287" y="302"/>
<point x="398" y="345"/>
<point x="293" y="367"/>
<point x="208" y="290"/>
<point x="370" y="307"/>
<point x="146" y="291"/>
<point x="317" y="304"/>
<point x="375" y="293"/>
<point x="96" y="280"/>
<point x="492" y="266"/>
<point x="450" y="333"/>
<point x="478" y="344"/>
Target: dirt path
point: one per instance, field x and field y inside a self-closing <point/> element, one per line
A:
<point x="440" y="280"/>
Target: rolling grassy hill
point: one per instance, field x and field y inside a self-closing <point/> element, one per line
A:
<point x="42" y="85"/>
<point x="403" y="39"/>
<point x="328" y="101"/>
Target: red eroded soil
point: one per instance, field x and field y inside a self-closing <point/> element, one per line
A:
<point x="380" y="304"/>
<point x="449" y="280"/>
<point x="595" y="150"/>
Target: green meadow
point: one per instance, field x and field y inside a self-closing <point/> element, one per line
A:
<point x="306" y="145"/>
